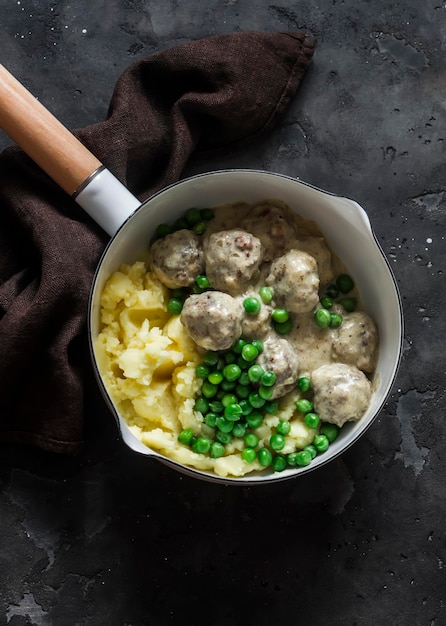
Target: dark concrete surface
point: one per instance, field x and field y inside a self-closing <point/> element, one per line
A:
<point x="113" y="539"/>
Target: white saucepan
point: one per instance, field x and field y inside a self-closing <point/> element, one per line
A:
<point x="131" y="225"/>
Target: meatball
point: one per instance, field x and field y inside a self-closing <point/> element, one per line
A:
<point x="231" y="258"/>
<point x="357" y="341"/>
<point x="295" y="281"/>
<point x="270" y="224"/>
<point x="342" y="393"/>
<point x="318" y="249"/>
<point x="213" y="319"/>
<point x="279" y="357"/>
<point x="177" y="259"/>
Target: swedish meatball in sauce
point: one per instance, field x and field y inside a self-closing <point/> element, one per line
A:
<point x="177" y="259"/>
<point x="213" y="319"/>
<point x="232" y="258"/>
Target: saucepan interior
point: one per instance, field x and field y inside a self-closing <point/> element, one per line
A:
<point x="345" y="226"/>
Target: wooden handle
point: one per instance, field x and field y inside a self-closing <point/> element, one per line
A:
<point x="42" y="136"/>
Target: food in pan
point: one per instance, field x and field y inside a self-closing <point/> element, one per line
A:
<point x="237" y="343"/>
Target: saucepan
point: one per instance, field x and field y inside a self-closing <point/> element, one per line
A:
<point x="131" y="225"/>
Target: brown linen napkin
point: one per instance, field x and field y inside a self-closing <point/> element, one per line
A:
<point x="205" y="96"/>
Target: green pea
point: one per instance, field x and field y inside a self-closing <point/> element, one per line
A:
<point x="238" y="346"/>
<point x="255" y="373"/>
<point x="254" y="420"/>
<point x="233" y="412"/>
<point x="252" y="305"/>
<point x="251" y="440"/>
<point x="242" y="391"/>
<point x="217" y="450"/>
<point x="304" y="406"/>
<point x="249" y="352"/>
<point x="249" y="455"/>
<point x="197" y="289"/>
<point x="268" y="379"/>
<point x="256" y="400"/>
<point x="277" y="442"/>
<point x="244" y="365"/>
<point x="304" y="383"/>
<point x="292" y="459"/>
<point x="210" y="419"/>
<point x="265" y="392"/>
<point x="312" y="450"/>
<point x="202" y="405"/>
<point x="228" y="385"/>
<point x="174" y="306"/>
<point x="280" y="316"/>
<point x="202" y="281"/>
<point x="202" y="371"/>
<point x="216" y="406"/>
<point x="162" y="230"/>
<point x="199" y="228"/>
<point x="215" y="378"/>
<point x="224" y="425"/>
<point x="344" y="283"/>
<point x="228" y="398"/>
<point x="331" y="431"/>
<point x="202" y="445"/>
<point x="244" y="379"/>
<point x="230" y="357"/>
<point x="283" y="428"/>
<point x="348" y="304"/>
<point x="257" y="343"/>
<point x="180" y="224"/>
<point x="267" y="294"/>
<point x="232" y="372"/>
<point x="239" y="429"/>
<point x="246" y="406"/>
<point x="207" y="214"/>
<point x="185" y="436"/>
<point x="264" y="457"/>
<point x="279" y="463"/>
<point x="192" y="216"/>
<point x="335" y="320"/>
<point x="321" y="443"/>
<point x="271" y="407"/>
<point x="326" y="302"/>
<point x="283" y="328"/>
<point x="208" y="389"/>
<point x="303" y="458"/>
<point x="223" y="438"/>
<point x="312" y="420"/>
<point x="210" y="358"/>
<point x="322" y="318"/>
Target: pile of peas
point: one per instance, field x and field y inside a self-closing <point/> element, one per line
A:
<point x="343" y="285"/>
<point x="235" y="398"/>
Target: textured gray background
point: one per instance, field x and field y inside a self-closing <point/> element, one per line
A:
<point x="110" y="538"/>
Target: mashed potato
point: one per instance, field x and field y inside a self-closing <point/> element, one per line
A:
<point x="148" y="361"/>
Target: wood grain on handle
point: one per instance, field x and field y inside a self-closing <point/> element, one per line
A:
<point x="49" y="144"/>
